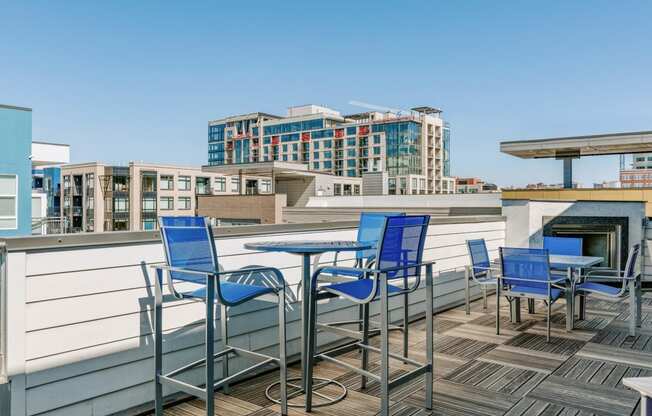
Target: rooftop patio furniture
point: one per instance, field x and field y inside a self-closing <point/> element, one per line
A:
<point x="306" y="249"/>
<point x="480" y="270"/>
<point x="628" y="279"/>
<point x="526" y="274"/>
<point x="191" y="257"/>
<point x="399" y="259"/>
<point x="643" y="385"/>
<point x="369" y="231"/>
<point x="569" y="246"/>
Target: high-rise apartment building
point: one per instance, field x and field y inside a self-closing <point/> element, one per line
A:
<point x="413" y="149"/>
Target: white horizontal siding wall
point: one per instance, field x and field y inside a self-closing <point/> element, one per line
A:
<point x="81" y="320"/>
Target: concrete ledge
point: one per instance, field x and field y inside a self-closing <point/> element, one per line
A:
<point x="83" y="240"/>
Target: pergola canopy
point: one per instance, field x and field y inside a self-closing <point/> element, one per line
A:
<point x="577" y="146"/>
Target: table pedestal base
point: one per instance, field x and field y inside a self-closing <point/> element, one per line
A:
<point x="295" y="390"/>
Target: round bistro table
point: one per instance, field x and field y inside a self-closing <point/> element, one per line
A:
<point x="306" y="249"/>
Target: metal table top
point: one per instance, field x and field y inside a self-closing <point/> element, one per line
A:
<point x="559" y="261"/>
<point x="308" y="247"/>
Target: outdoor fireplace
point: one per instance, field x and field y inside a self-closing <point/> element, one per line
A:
<point x="606" y="237"/>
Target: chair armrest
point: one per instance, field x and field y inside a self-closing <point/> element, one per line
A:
<point x="170" y="281"/>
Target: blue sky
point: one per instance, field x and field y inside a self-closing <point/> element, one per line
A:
<point x="126" y="80"/>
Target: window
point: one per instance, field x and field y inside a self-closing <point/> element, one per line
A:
<point x="8" y="202"/>
<point x="149" y="225"/>
<point x="376" y="138"/>
<point x="328" y="155"/>
<point x="167" y="203"/>
<point x="356" y="189"/>
<point x="315" y="165"/>
<point x="350" y="131"/>
<point x="184" y="183"/>
<point x="350" y="141"/>
<point x="235" y="184"/>
<point x="265" y="186"/>
<point x="350" y="163"/>
<point x="149" y="204"/>
<point x="347" y="190"/>
<point x="203" y="186"/>
<point x="295" y="147"/>
<point x="120" y="204"/>
<point x="220" y="184"/>
<point x="184" y="202"/>
<point x="148" y="182"/>
<point x="167" y="182"/>
<point x="376" y="150"/>
<point x="337" y="189"/>
<point x="328" y="164"/>
<point x="328" y="144"/>
<point x="315" y="145"/>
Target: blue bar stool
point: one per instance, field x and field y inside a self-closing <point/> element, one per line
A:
<point x="398" y="258"/>
<point x="370" y="230"/>
<point x="191" y="258"/>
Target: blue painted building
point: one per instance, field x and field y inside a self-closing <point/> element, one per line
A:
<point x="15" y="171"/>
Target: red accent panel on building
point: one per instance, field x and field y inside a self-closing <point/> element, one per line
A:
<point x="363" y="130"/>
<point x="305" y="137"/>
<point x="339" y="133"/>
<point x="276" y="139"/>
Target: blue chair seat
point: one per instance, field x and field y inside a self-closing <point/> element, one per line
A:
<point x="358" y="289"/>
<point x="535" y="290"/>
<point x="234" y="292"/>
<point x="343" y="271"/>
<point x="598" y="288"/>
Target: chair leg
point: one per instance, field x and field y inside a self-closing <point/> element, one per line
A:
<point x="225" y="341"/>
<point x="406" y="326"/>
<point x="365" y="341"/>
<point x="633" y="308"/>
<point x="548" y="320"/>
<point x="310" y="353"/>
<point x="282" y="354"/>
<point x="158" y="346"/>
<point x="530" y="306"/>
<point x="484" y="297"/>
<point x="210" y="346"/>
<point x="384" y="347"/>
<point x="639" y="302"/>
<point x="429" y="338"/>
<point x="467" y="296"/>
<point x="498" y="309"/>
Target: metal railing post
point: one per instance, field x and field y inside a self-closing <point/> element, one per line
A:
<point x="3" y="312"/>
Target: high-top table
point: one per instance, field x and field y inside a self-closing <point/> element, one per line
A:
<point x="306" y="249"/>
<point x="573" y="266"/>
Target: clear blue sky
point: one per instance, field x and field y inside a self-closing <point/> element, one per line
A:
<point x="124" y="80"/>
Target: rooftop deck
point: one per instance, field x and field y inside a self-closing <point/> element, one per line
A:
<point x="480" y="373"/>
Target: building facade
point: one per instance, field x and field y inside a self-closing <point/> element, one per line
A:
<point x="414" y="150"/>
<point x="99" y="197"/>
<point x="473" y="186"/>
<point x="15" y="171"/>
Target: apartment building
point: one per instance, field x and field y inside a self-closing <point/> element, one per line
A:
<point x="413" y="149"/>
<point x="640" y="175"/>
<point x="473" y="186"/>
<point x="100" y="197"/>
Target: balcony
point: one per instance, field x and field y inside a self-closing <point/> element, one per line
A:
<point x="79" y="330"/>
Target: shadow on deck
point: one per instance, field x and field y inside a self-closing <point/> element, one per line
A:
<point x="480" y="373"/>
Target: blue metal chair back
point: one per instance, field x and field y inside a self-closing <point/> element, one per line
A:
<point x="189" y="244"/>
<point x="479" y="257"/>
<point x="370" y="231"/>
<point x="402" y="244"/>
<point x="567" y="246"/>
<point x="529" y="265"/>
<point x="630" y="266"/>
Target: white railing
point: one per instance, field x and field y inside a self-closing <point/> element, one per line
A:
<point x="79" y="311"/>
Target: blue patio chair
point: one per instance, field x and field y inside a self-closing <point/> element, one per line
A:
<point x="192" y="259"/>
<point x="399" y="258"/>
<point x="480" y="270"/>
<point x="629" y="281"/>
<point x="566" y="246"/>
<point x="369" y="231"/>
<point x="526" y="274"/>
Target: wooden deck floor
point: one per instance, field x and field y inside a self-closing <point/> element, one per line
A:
<point x="480" y="373"/>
